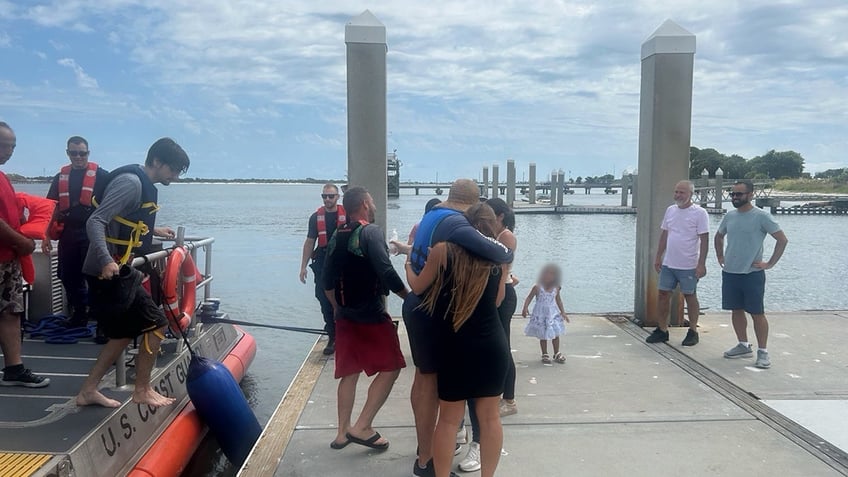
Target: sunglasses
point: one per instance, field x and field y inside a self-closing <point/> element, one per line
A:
<point x="328" y="196"/>
<point x="739" y="194"/>
<point x="78" y="153"/>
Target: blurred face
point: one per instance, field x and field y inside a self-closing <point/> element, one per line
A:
<point x="682" y="194"/>
<point x="740" y="196"/>
<point x="163" y="174"/>
<point x="330" y="196"/>
<point x="7" y="145"/>
<point x="78" y="155"/>
<point x="548" y="276"/>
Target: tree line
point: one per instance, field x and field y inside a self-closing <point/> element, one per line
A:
<point x="771" y="165"/>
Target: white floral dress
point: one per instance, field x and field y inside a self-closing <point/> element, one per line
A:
<point x="546" y="322"/>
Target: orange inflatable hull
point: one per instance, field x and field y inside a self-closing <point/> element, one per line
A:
<point x="171" y="452"/>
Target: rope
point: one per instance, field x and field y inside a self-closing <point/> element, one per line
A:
<point x="314" y="331"/>
<point x="53" y="329"/>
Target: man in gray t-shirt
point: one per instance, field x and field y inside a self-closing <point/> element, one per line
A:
<point x="743" y="277"/>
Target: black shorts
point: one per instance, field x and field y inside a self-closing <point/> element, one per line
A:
<point x="142" y="315"/>
<point x="423" y="335"/>
<point x="743" y="291"/>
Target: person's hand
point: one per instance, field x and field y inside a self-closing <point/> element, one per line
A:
<point x="109" y="271"/>
<point x="46" y="246"/>
<point x="658" y="265"/>
<point x="525" y="312"/>
<point x="700" y="271"/>
<point x="567" y="319"/>
<point x="303" y="275"/>
<point x="515" y="280"/>
<point x="721" y="261"/>
<point x="763" y="265"/>
<point x="166" y="232"/>
<point x="402" y="248"/>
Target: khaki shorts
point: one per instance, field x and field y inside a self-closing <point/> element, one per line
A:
<point x="11" y="287"/>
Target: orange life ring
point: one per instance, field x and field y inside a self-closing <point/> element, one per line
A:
<point x="180" y="275"/>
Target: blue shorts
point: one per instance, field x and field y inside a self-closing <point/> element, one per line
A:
<point x="743" y="291"/>
<point x="671" y="277"/>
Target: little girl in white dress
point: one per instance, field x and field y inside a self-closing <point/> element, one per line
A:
<point x="548" y="319"/>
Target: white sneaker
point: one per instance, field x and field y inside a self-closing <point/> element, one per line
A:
<point x="462" y="435"/>
<point x="471" y="462"/>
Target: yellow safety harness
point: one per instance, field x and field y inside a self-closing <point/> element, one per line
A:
<point x="157" y="334"/>
<point x="139" y="229"/>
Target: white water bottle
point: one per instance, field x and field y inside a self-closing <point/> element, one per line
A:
<point x="394" y="238"/>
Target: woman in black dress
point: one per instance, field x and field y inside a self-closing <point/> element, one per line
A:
<point x="464" y="292"/>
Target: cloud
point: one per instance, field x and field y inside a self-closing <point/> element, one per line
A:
<point x="552" y="81"/>
<point x="5" y="40"/>
<point x="83" y="80"/>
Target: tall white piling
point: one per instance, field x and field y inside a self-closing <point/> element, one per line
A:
<point x="665" y="121"/>
<point x="365" y="38"/>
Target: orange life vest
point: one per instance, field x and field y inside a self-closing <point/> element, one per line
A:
<point x="87" y="191"/>
<point x="341" y="219"/>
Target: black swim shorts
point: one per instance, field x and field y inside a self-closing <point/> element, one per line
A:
<point x="423" y="335"/>
<point x="141" y="316"/>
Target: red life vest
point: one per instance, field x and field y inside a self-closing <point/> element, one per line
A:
<point x="322" y="224"/>
<point x="86" y="192"/>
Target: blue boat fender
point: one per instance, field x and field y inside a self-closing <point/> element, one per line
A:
<point x="221" y="404"/>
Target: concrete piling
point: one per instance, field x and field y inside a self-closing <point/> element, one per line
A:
<point x="495" y="185"/>
<point x="665" y="120"/>
<point x="719" y="188"/>
<point x="510" y="182"/>
<point x="531" y="194"/>
<point x="625" y="189"/>
<point x="365" y="40"/>
<point x="485" y="190"/>
<point x="560" y="187"/>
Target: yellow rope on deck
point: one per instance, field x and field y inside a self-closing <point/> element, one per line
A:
<point x="15" y="464"/>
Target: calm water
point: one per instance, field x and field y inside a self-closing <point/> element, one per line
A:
<point x="259" y="231"/>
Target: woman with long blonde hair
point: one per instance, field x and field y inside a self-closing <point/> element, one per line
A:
<point x="463" y="292"/>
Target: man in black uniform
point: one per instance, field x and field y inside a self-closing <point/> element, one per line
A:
<point x="322" y="224"/>
<point x="73" y="189"/>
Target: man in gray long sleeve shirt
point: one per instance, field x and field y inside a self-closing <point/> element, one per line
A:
<point x="128" y="197"/>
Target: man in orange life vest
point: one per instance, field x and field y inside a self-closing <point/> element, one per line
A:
<point x="13" y="245"/>
<point x="73" y="188"/>
<point x="322" y="225"/>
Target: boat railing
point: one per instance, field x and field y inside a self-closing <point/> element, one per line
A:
<point x="158" y="260"/>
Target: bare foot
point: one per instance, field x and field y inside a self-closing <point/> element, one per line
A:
<point x="151" y="398"/>
<point x="95" y="398"/>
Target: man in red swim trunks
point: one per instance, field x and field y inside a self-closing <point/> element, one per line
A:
<point x="357" y="276"/>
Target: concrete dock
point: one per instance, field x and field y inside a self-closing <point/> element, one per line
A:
<point x="617" y="407"/>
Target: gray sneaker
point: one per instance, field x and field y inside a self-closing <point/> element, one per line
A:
<point x="763" y="361"/>
<point x="739" y="351"/>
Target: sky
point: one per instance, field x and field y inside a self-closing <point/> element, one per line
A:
<point x="256" y="88"/>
